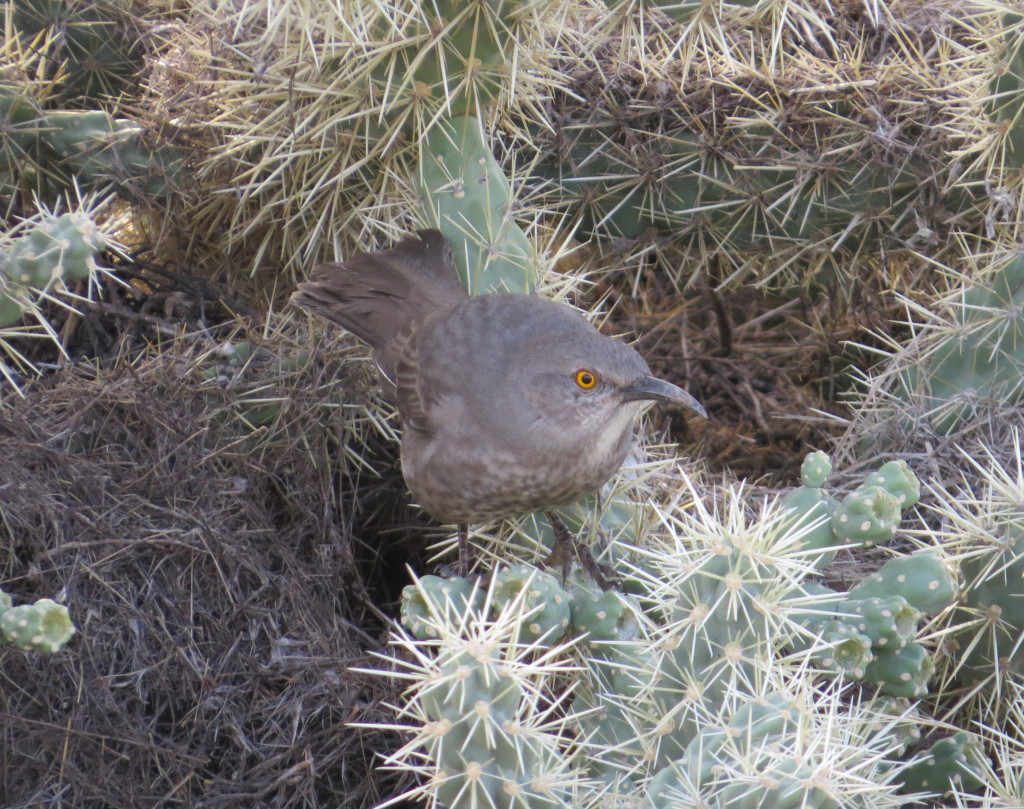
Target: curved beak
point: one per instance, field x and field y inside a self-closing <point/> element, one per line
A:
<point x="658" y="390"/>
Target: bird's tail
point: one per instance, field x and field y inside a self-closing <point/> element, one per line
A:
<point x="375" y="295"/>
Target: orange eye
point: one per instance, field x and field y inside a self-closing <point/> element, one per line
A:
<point x="586" y="379"/>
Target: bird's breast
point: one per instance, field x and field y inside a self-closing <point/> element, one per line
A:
<point x="470" y="478"/>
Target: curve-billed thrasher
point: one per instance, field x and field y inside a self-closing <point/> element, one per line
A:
<point x="509" y="403"/>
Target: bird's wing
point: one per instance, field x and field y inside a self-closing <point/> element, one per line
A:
<point x="404" y="359"/>
<point x="374" y="295"/>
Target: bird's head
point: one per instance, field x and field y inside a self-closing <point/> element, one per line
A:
<point x="588" y="386"/>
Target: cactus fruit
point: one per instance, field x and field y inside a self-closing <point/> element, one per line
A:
<point x="846" y="651"/>
<point x="922" y="578"/>
<point x="41" y="627"/>
<point x="889" y="622"/>
<point x="902" y="672"/>
<point x="815" y="469"/>
<point x="896" y="478"/>
<point x="868" y="632"/>
<point x="867" y="516"/>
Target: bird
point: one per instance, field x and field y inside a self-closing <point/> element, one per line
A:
<point x="510" y="403"/>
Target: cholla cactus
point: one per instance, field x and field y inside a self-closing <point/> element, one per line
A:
<point x="961" y="371"/>
<point x="983" y="526"/>
<point x="484" y="732"/>
<point x="719" y="677"/>
<point x="332" y="133"/>
<point x="91" y="43"/>
<point x="50" y="257"/>
<point x="749" y="135"/>
<point x="799" y="748"/>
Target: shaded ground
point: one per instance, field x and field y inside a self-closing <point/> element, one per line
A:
<point x="191" y="509"/>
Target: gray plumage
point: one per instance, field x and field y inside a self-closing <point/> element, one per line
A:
<point x="497" y="419"/>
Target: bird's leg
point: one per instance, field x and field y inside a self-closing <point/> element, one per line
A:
<point x="567" y="547"/>
<point x="465" y="551"/>
<point x="564" y="551"/>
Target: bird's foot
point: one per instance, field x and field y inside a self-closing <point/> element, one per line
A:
<point x="601" y="574"/>
<point x="568" y="549"/>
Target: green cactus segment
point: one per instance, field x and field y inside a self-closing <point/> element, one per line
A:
<point x="58" y="248"/>
<point x="433" y="598"/>
<point x="11" y="309"/>
<point x="54" y="249"/>
<point x="745" y="189"/>
<point x="763" y="717"/>
<point x="902" y="672"/>
<point x="784" y="785"/>
<point x="756" y="722"/>
<point x="672" y="696"/>
<point x="867" y="516"/>
<point x="545" y="603"/>
<point x="898" y="719"/>
<point x="19" y="126"/>
<point x="600" y="616"/>
<point x="459" y="59"/>
<point x="811" y="523"/>
<point x="922" y="578"/>
<point x="815" y="469"/>
<point x="889" y="622"/>
<point x="1006" y="99"/>
<point x="464" y="681"/>
<point x="91" y="41"/>
<point x="993" y="584"/>
<point x="747" y="761"/>
<point x="609" y="520"/>
<point x="468" y="197"/>
<point x="957" y="763"/>
<point x="50" y="151"/>
<point x="475" y="694"/>
<point x="980" y="363"/>
<point x="98" y="149"/>
<point x="41" y="627"/>
<point x="482" y="756"/>
<point x="6" y="602"/>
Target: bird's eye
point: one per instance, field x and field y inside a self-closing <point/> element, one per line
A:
<point x="586" y="379"/>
